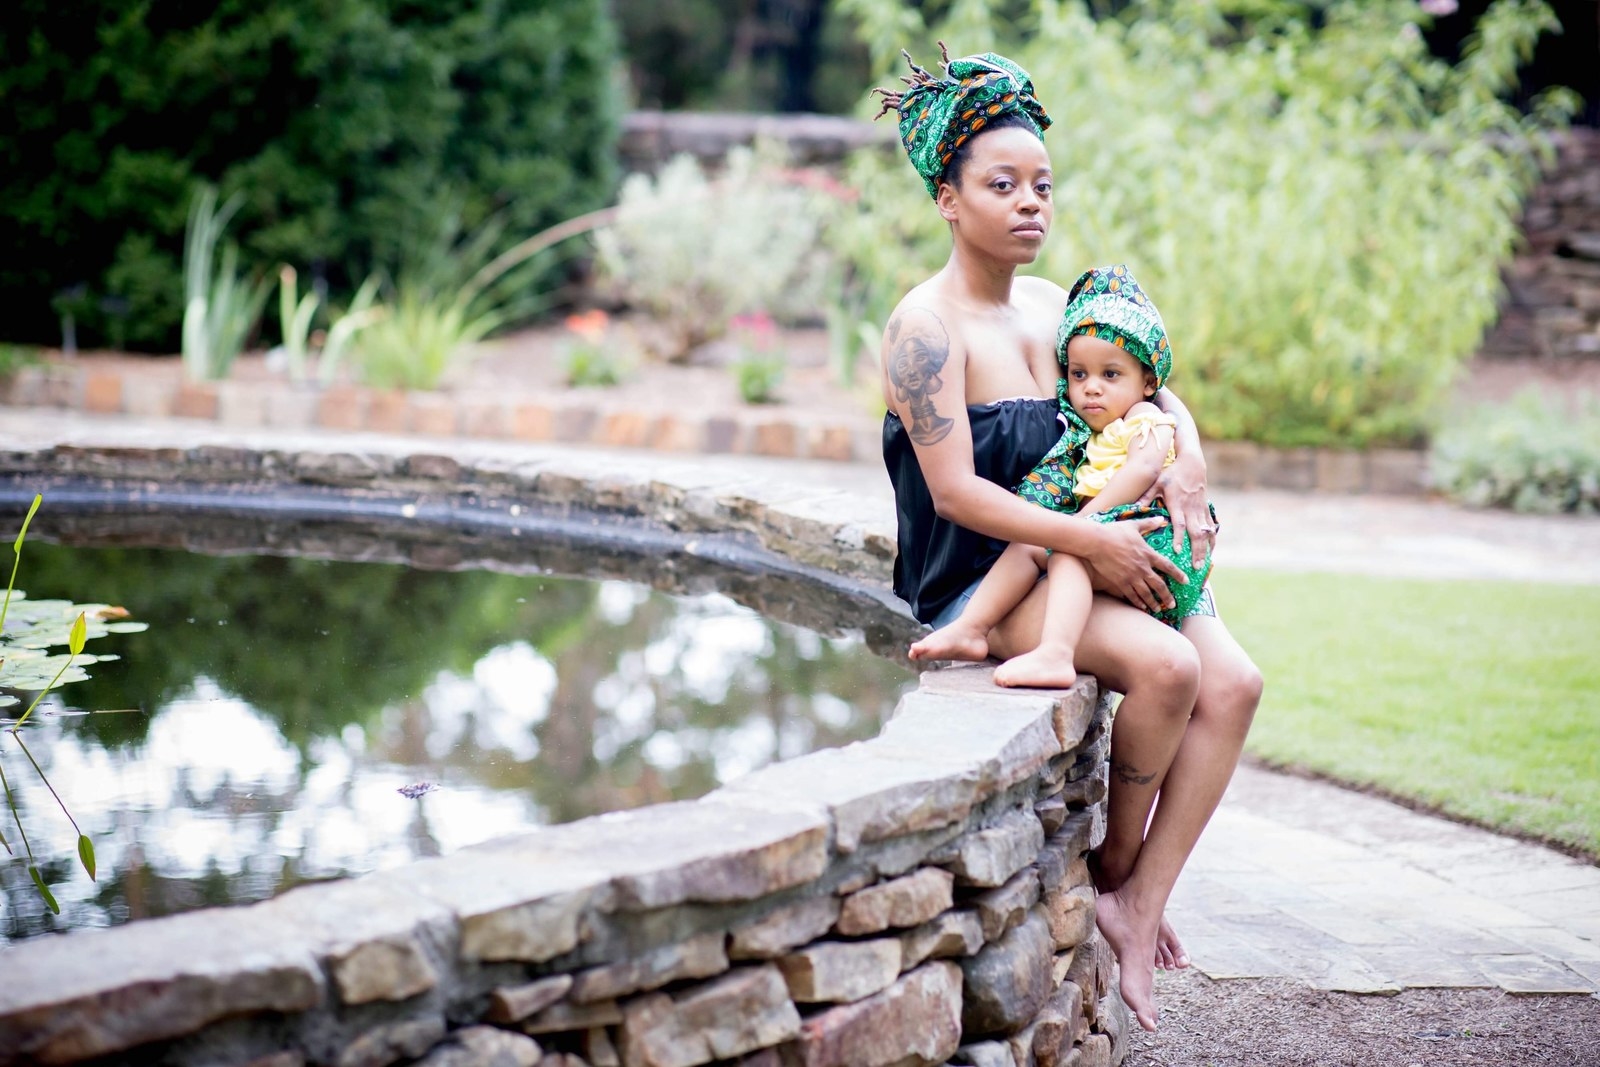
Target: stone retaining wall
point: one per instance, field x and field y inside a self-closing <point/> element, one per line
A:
<point x="1552" y="305"/>
<point x="920" y="898"/>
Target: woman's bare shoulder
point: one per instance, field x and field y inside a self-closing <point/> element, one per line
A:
<point x="1039" y="296"/>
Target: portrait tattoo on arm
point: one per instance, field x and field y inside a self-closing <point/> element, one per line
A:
<point x="916" y="356"/>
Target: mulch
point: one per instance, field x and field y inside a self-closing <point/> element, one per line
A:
<point x="1285" y="1023"/>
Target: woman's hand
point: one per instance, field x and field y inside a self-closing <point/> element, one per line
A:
<point x="1182" y="487"/>
<point x="1123" y="565"/>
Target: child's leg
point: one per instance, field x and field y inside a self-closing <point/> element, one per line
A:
<point x="1008" y="581"/>
<point x="1066" y="611"/>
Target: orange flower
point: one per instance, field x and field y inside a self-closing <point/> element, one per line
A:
<point x="590" y="325"/>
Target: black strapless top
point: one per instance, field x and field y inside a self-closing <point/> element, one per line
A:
<point x="937" y="559"/>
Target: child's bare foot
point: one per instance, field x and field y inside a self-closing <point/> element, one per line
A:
<point x="952" y="642"/>
<point x="1132" y="937"/>
<point x="1040" y="669"/>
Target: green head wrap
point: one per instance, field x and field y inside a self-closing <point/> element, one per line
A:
<point x="1107" y="303"/>
<point x="939" y="115"/>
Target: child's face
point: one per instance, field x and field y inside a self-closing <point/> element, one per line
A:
<point x="1104" y="381"/>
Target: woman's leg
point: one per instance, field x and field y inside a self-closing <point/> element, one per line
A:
<point x="1230" y="688"/>
<point x="1159" y="675"/>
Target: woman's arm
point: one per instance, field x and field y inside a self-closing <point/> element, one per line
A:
<point x="926" y="373"/>
<point x="1147" y="454"/>
<point x="1182" y="486"/>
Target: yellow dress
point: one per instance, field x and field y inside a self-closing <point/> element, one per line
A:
<point x="1107" y="450"/>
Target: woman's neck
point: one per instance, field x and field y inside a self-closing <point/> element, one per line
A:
<point x="977" y="280"/>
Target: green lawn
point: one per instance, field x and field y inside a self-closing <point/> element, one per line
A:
<point x="1480" y="698"/>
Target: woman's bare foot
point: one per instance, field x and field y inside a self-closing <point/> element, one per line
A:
<point x="1043" y="668"/>
<point x="952" y="642"/>
<point x="1132" y="937"/>
<point x="1170" y="954"/>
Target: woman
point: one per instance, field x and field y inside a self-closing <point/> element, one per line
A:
<point x="969" y="376"/>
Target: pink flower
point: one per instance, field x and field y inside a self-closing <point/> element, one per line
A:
<point x="590" y="325"/>
<point x="1438" y="7"/>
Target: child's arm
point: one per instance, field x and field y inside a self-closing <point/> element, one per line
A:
<point x="1147" y="454"/>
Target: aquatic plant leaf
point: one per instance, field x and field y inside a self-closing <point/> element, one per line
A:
<point x="126" y="627"/>
<point x="6" y="700"/>
<point x="16" y="546"/>
<point x="44" y="890"/>
<point x="86" y="855"/>
<point x="78" y="635"/>
<point x="109" y="657"/>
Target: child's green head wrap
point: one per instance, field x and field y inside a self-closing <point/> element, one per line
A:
<point x="940" y="115"/>
<point x="1106" y="302"/>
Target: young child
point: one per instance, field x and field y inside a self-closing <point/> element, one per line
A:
<point x="1114" y="356"/>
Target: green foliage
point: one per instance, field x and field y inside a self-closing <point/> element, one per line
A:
<point x="1528" y="455"/>
<point x="696" y="251"/>
<point x="758" y="368"/>
<point x="1475" y="697"/>
<point x="347" y="125"/>
<point x="220" y="308"/>
<point x="26" y="665"/>
<point x="1319" y="208"/>
<point x="15" y="357"/>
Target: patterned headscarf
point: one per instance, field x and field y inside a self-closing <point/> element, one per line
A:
<point x="1107" y="303"/>
<point x="939" y="115"/>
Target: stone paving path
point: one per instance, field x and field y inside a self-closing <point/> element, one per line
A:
<point x="1294" y="877"/>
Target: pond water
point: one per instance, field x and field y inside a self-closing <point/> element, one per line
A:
<point x="287" y="719"/>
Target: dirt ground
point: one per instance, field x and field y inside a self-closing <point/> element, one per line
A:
<point x="1285" y="1023"/>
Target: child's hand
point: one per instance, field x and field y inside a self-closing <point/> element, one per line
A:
<point x="1182" y="488"/>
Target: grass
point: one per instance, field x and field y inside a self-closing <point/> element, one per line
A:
<point x="1480" y="699"/>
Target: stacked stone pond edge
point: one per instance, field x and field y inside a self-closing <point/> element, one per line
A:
<point x="920" y="898"/>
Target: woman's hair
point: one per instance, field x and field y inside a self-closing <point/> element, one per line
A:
<point x="1007" y="121"/>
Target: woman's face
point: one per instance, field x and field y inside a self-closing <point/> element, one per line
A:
<point x="1002" y="208"/>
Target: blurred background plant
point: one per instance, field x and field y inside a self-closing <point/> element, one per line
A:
<point x="694" y="252"/>
<point x="342" y="123"/>
<point x="593" y="357"/>
<point x="1320" y="207"/>
<point x="14" y="357"/>
<point x="447" y="292"/>
<point x="1534" y="453"/>
<point x="220" y="309"/>
<point x="760" y="361"/>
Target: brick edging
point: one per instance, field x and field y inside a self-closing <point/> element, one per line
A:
<point x="527" y="417"/>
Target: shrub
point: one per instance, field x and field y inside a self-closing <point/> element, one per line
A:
<point x="348" y="125"/>
<point x="1527" y="455"/>
<point x="695" y="252"/>
<point x="1319" y="207"/>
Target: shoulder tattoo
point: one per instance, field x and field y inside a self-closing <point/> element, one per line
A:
<point x="917" y="353"/>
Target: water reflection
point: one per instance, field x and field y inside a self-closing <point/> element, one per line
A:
<point x="277" y="706"/>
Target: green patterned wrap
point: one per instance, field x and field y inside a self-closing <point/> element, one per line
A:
<point x="939" y="115"/>
<point x="1107" y="302"/>
<point x="1188" y="599"/>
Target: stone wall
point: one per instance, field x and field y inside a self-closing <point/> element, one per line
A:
<point x="1552" y="306"/>
<point x="920" y="898"/>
